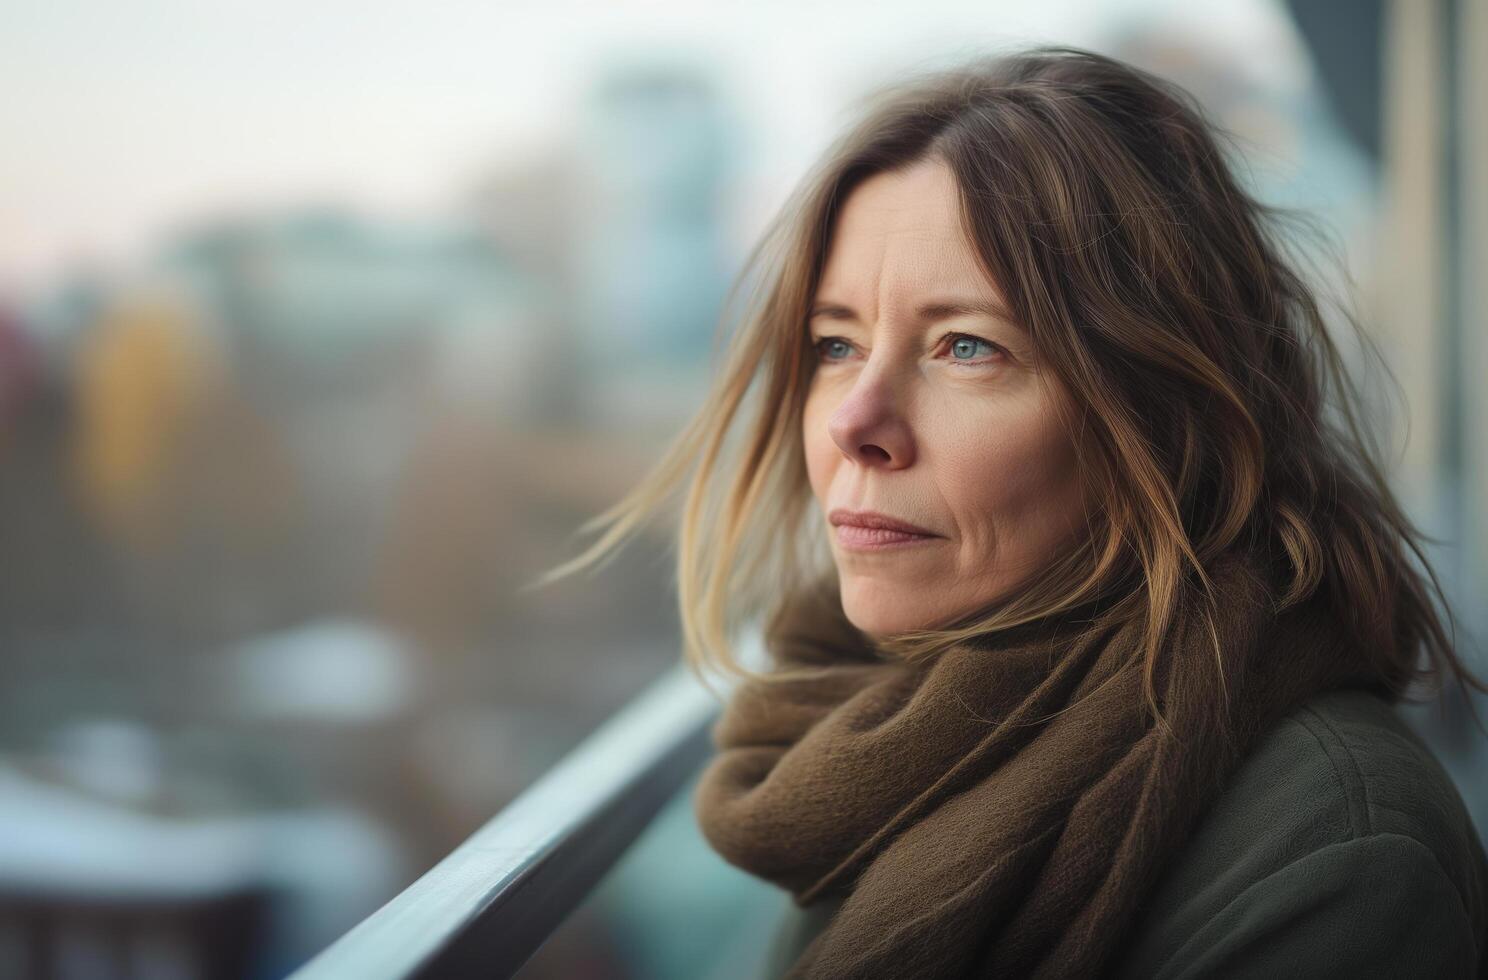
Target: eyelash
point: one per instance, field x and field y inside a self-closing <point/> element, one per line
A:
<point x="951" y="337"/>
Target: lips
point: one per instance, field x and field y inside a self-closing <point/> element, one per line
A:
<point x="856" y="538"/>
<point x="875" y="521"/>
<point x="869" y="531"/>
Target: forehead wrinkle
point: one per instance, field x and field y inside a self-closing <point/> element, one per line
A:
<point x="910" y="284"/>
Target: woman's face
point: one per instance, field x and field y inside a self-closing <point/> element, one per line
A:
<point x="925" y="405"/>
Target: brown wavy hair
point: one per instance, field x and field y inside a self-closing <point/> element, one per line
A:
<point x="1217" y="411"/>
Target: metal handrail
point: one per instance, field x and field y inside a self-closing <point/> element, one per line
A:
<point x="493" y="901"/>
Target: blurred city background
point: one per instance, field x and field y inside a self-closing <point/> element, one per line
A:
<point x="323" y="326"/>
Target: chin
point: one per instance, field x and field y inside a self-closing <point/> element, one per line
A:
<point x="875" y="610"/>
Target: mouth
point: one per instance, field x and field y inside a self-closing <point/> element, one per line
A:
<point x="873" y="531"/>
<point x="855" y="537"/>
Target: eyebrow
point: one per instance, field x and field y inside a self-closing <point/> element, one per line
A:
<point x="927" y="312"/>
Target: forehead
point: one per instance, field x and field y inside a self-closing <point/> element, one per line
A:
<point x="900" y="233"/>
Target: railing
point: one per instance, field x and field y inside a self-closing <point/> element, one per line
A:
<point x="492" y="902"/>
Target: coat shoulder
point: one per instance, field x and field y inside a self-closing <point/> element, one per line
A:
<point x="1337" y="792"/>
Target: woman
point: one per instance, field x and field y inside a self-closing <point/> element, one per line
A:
<point x="1086" y="607"/>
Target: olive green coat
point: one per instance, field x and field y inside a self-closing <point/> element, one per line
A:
<point x="1340" y="848"/>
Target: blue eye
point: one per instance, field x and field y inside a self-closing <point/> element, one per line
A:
<point x="967" y="345"/>
<point x="829" y="342"/>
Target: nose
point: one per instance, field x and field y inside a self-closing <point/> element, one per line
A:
<point x="869" y="425"/>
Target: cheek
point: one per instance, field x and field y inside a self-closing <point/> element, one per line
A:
<point x="817" y="444"/>
<point x="1013" y="470"/>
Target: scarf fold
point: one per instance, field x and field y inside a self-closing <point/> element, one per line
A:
<point x="1001" y="809"/>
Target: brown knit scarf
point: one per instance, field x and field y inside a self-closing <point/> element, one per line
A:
<point x="974" y="826"/>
